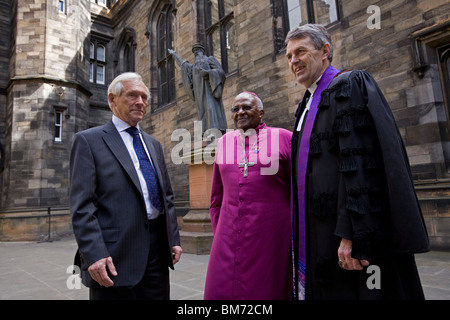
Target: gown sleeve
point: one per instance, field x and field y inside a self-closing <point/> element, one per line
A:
<point x="376" y="194"/>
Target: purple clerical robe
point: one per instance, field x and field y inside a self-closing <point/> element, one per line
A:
<point x="250" y="215"/>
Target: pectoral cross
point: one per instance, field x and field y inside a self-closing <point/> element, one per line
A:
<point x="245" y="165"/>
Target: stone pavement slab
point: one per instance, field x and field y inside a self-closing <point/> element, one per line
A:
<point x="434" y="270"/>
<point x="42" y="271"/>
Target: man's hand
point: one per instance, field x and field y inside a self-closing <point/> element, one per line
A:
<point x="98" y="272"/>
<point x="176" y="254"/>
<point x="345" y="257"/>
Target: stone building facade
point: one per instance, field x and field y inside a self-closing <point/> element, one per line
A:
<point x="57" y="58"/>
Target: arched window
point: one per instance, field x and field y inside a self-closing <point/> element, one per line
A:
<point x="291" y="13"/>
<point x="166" y="68"/>
<point x="311" y="11"/>
<point x="127" y="51"/>
<point x="220" y="32"/>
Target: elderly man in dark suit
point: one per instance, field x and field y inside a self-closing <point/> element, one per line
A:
<point x="122" y="204"/>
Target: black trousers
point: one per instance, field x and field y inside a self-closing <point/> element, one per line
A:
<point x="155" y="282"/>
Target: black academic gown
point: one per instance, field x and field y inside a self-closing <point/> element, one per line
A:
<point x="359" y="187"/>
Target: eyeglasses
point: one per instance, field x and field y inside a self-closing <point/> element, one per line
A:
<point x="244" y="108"/>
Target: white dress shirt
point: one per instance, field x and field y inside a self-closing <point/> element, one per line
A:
<point x="127" y="138"/>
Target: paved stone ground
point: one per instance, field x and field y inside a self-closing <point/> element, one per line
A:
<point x="39" y="271"/>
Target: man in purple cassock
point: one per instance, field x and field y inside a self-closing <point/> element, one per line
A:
<point x="357" y="222"/>
<point x="250" y="209"/>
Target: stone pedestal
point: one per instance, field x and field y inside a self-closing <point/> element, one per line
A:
<point x="196" y="233"/>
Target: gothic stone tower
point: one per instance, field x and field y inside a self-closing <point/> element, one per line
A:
<point x="47" y="90"/>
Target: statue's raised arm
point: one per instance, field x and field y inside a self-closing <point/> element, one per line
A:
<point x="176" y="56"/>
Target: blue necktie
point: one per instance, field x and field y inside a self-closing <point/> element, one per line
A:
<point x="147" y="169"/>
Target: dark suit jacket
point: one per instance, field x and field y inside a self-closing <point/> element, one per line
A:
<point x="107" y="207"/>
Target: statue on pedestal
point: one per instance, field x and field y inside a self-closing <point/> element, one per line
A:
<point x="203" y="81"/>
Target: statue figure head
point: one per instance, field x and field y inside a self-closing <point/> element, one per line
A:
<point x="198" y="46"/>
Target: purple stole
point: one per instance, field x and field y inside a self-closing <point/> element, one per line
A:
<point x="302" y="165"/>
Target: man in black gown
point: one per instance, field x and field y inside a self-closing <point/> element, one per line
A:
<point x="354" y="203"/>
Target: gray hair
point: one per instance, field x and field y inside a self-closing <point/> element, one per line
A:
<point x="116" y="86"/>
<point x="249" y="94"/>
<point x="316" y="32"/>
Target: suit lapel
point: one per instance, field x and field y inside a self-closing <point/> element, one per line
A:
<point x="115" y="143"/>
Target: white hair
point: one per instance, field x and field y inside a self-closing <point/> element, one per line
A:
<point x="249" y="94"/>
<point x="116" y="85"/>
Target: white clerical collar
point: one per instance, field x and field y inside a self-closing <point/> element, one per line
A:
<point x="314" y="86"/>
<point x="120" y="124"/>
